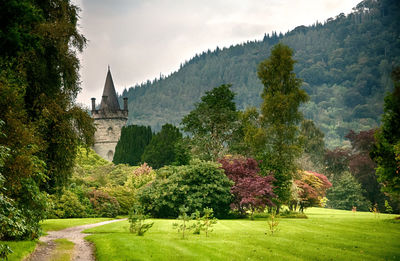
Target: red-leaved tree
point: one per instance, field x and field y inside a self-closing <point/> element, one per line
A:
<point x="251" y="191"/>
<point x="311" y="188"/>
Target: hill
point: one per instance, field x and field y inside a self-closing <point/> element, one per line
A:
<point x="345" y="63"/>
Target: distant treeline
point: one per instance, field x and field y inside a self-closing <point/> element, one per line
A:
<point x="345" y="63"/>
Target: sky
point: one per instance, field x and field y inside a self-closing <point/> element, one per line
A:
<point x="141" y="39"/>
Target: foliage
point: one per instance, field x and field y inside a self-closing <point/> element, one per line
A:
<point x="311" y="189"/>
<point x="273" y="222"/>
<point x="386" y="152"/>
<point x="212" y="123"/>
<point x="131" y="144"/>
<point x="313" y="139"/>
<point x="137" y="220"/>
<point x="344" y="61"/>
<point x="208" y="220"/>
<point x="66" y="205"/>
<point x="5" y="250"/>
<point x="336" y="162"/>
<point x="184" y="219"/>
<point x="205" y="222"/>
<point x="388" y="208"/>
<point x="347" y="193"/>
<point x="125" y="196"/>
<point x="251" y="191"/>
<point x="103" y="204"/>
<point x="362" y="167"/>
<point x="161" y="149"/>
<point x="198" y="185"/>
<point x="280" y="116"/>
<point x="39" y="82"/>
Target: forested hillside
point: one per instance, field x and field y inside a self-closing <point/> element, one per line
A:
<point x="345" y="63"/>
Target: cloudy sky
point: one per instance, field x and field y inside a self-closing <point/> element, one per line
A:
<point x="141" y="39"/>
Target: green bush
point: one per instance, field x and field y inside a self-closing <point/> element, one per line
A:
<point x="66" y="206"/>
<point x="18" y="222"/>
<point x="125" y="196"/>
<point x="198" y="185"/>
<point x="103" y="204"/>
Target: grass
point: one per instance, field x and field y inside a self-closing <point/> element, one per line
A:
<point x="59" y="224"/>
<point x="63" y="251"/>
<point x="326" y="235"/>
<point x="23" y="248"/>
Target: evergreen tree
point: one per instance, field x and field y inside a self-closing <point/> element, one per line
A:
<point x="161" y="150"/>
<point x="347" y="193"/>
<point x="131" y="144"/>
<point x="280" y="117"/>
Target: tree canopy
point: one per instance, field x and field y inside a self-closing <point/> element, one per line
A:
<point x="280" y="116"/>
<point x="212" y="123"/>
<point x="39" y="82"/>
<point x="386" y="151"/>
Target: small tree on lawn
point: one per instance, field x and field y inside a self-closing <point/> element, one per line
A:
<point x="184" y="219"/>
<point x="208" y="220"/>
<point x="137" y="220"/>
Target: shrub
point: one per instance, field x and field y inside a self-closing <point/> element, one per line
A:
<point x="103" y="204"/>
<point x="18" y="222"/>
<point x="66" y="206"/>
<point x="198" y="185"/>
<point x="125" y="196"/>
<point x="251" y="191"/>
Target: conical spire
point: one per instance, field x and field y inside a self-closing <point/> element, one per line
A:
<point x="109" y="101"/>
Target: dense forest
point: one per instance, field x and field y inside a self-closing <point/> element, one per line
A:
<point x="344" y="62"/>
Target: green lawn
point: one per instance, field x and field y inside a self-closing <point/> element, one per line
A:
<point x="325" y="235"/>
<point x="24" y="248"/>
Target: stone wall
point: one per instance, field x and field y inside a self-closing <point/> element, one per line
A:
<point x="107" y="135"/>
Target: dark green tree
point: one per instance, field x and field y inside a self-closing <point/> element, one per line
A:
<point x="347" y="193"/>
<point x="39" y="82"/>
<point x="212" y="123"/>
<point x="386" y="151"/>
<point x="131" y="144"/>
<point x="280" y="117"/>
<point x="161" y="150"/>
<point x="198" y="185"/>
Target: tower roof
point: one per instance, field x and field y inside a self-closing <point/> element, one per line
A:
<point x="109" y="101"/>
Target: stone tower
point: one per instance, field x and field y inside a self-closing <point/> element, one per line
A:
<point x="109" y="120"/>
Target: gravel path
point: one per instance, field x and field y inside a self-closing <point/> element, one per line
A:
<point x="83" y="250"/>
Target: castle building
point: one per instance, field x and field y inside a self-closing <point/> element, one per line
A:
<point x="109" y="120"/>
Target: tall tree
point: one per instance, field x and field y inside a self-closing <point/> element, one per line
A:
<point x="162" y="149"/>
<point x="212" y="123"/>
<point x="131" y="144"/>
<point x="386" y="151"/>
<point x="39" y="82"/>
<point x="362" y="167"/>
<point x="280" y="116"/>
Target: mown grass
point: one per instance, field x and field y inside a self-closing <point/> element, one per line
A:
<point x="59" y="224"/>
<point x="326" y="235"/>
<point x="23" y="248"/>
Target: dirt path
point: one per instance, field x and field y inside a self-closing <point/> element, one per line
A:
<point x="83" y="249"/>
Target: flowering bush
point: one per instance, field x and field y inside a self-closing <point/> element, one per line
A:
<point x="103" y="204"/>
